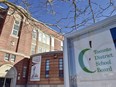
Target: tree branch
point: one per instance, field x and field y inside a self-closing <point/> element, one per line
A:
<point x="89" y="2"/>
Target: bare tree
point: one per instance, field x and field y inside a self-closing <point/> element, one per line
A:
<point x="81" y="13"/>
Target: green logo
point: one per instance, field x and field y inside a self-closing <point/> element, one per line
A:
<point x="81" y="62"/>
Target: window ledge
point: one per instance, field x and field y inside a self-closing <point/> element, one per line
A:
<point x="6" y="60"/>
<point x="14" y="36"/>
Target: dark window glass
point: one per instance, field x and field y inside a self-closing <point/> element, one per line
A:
<point x="24" y="71"/>
<point x="34" y="34"/>
<point x="47" y="68"/>
<point x="6" y="56"/>
<point x="16" y="27"/>
<point x="113" y="34"/>
<point x="12" y="58"/>
<point x="33" y="48"/>
<point x="61" y="74"/>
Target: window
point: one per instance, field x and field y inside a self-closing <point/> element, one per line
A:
<point x="52" y="41"/>
<point x="34" y="34"/>
<point x="12" y="58"/>
<point x="47" y="68"/>
<point x="33" y="48"/>
<point x="61" y="67"/>
<point x="44" y="38"/>
<point x="6" y="56"/>
<point x="43" y="50"/>
<point x="39" y="50"/>
<point x="47" y="50"/>
<point x="40" y="36"/>
<point x="24" y="71"/>
<point x="61" y="45"/>
<point x="48" y="39"/>
<point x="16" y="28"/>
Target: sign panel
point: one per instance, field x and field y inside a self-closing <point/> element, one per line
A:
<point x="93" y="58"/>
<point x="95" y="55"/>
<point x="36" y="68"/>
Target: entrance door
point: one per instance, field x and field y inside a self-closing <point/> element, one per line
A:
<point x="7" y="82"/>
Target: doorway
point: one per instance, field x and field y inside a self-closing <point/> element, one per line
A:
<point x="8" y="75"/>
<point x="5" y="81"/>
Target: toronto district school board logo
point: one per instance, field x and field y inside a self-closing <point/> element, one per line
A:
<point x="81" y="62"/>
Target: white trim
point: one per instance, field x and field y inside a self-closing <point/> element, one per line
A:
<point x="13" y="35"/>
<point x="66" y="68"/>
<point x="19" y="54"/>
<point x="33" y="44"/>
<point x="52" y="41"/>
<point x="40" y="36"/>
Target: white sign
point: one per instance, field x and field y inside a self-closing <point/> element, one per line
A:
<point x="36" y="68"/>
<point x="95" y="55"/>
<point x="92" y="59"/>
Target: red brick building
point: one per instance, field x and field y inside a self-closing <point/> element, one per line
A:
<point x="20" y="38"/>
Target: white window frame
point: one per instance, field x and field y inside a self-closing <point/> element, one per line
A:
<point x="39" y="48"/>
<point x="44" y="38"/>
<point x="43" y="50"/>
<point x="13" y="29"/>
<point x="31" y="48"/>
<point x="48" y="39"/>
<point x="6" y="58"/>
<point x="12" y="57"/>
<point x="40" y="36"/>
<point x="52" y="41"/>
<point x="34" y="34"/>
<point x="61" y="45"/>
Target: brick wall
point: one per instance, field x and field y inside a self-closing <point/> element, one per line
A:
<point x="21" y="63"/>
<point x="54" y="70"/>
